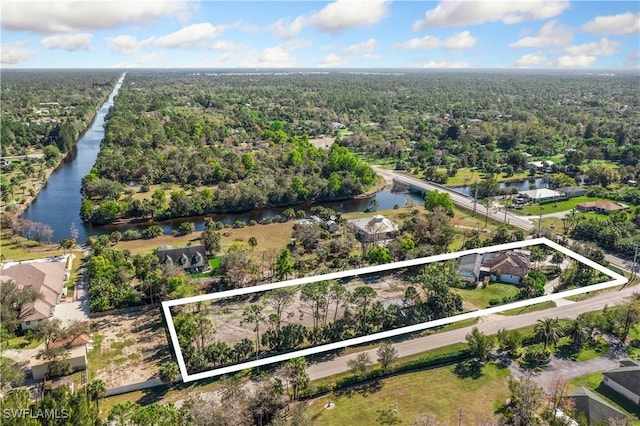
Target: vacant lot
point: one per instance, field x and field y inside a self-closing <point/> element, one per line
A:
<point x="127" y="348"/>
<point x="439" y="391"/>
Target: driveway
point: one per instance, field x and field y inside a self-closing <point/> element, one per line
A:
<point x="562" y="369"/>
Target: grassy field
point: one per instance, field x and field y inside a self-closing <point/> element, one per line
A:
<point x="481" y="297"/>
<point x="531" y="308"/>
<point x="19" y="248"/>
<point x="439" y="391"/>
<point x="560" y="206"/>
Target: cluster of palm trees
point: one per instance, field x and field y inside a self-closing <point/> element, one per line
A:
<point x="549" y="331"/>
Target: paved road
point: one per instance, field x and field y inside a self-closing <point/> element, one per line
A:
<point x="415" y="346"/>
<point x="467" y="202"/>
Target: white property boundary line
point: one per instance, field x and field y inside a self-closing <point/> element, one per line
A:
<point x="617" y="279"/>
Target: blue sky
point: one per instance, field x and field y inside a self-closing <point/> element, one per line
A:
<point x="310" y="34"/>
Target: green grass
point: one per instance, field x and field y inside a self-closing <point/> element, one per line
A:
<point x="593" y="382"/>
<point x="467" y="176"/>
<point x="213" y="268"/>
<point x="560" y="206"/>
<point x="21" y="342"/>
<point x="439" y="391"/>
<point x="531" y="308"/>
<point x="481" y="297"/>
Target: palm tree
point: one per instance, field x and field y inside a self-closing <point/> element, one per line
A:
<point x="547" y="330"/>
<point x="97" y="389"/>
<point x="253" y="314"/>
<point x="298" y="375"/>
<point x="578" y="332"/>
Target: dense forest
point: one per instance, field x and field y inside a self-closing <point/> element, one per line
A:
<point x="46" y="107"/>
<point x="216" y="142"/>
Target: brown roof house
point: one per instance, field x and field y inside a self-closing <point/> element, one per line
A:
<point x="625" y="380"/>
<point x="603" y="207"/>
<point x="48" y="277"/>
<point x="190" y="259"/>
<point x="509" y="266"/>
<point x="77" y="356"/>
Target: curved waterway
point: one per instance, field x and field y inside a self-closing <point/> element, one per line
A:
<point x="58" y="203"/>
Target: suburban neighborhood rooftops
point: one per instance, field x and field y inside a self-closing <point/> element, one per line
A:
<point x="510" y="262"/>
<point x="593" y="406"/>
<point x="377" y="224"/>
<point x="72" y="341"/>
<point x="47" y="278"/>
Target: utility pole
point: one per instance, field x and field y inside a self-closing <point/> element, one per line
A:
<point x="633" y="266"/>
<point x="540" y="223"/>
<point x="475" y="198"/>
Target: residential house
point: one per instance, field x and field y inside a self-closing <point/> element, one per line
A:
<point x="77" y="356"/>
<point x="572" y="191"/>
<point x="47" y="277"/>
<point x="191" y="259"/>
<point x="469" y="266"/>
<point x="594" y="408"/>
<point x="625" y="380"/>
<point x="373" y="229"/>
<point x="540" y="165"/>
<point x="541" y="195"/>
<point x="509" y="266"/>
<point x="602" y="207"/>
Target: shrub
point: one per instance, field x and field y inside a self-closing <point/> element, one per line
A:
<point x="131" y="234"/>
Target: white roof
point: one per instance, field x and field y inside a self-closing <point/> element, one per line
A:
<point x="542" y="193"/>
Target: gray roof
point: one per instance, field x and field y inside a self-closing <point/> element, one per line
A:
<point x="186" y="257"/>
<point x="593" y="406"/>
<point x="469" y="265"/>
<point x="627" y="377"/>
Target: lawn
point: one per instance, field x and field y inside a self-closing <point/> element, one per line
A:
<point x="481" y="297"/>
<point x="439" y="391"/>
<point x="560" y="206"/>
<point x="19" y="248"/>
<point x="531" y="308"/>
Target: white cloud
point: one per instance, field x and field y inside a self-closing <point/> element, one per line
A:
<point x="46" y="17"/>
<point x="622" y="24"/>
<point x="285" y="28"/>
<point x="604" y="47"/>
<point x="15" y="53"/>
<point x="366" y="46"/>
<point x="463" y="40"/>
<point x="276" y="57"/>
<point x="579" y="61"/>
<point x="332" y="61"/>
<point x="225" y="46"/>
<point x="530" y="60"/>
<point x="342" y="15"/>
<point x="454" y="13"/>
<point x="68" y="42"/>
<point x="127" y="44"/>
<point x="188" y="36"/>
<point x="446" y="64"/>
<point x="549" y="35"/>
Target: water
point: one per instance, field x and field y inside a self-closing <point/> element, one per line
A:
<point x="386" y="200"/>
<point x="58" y="203"/>
<point x="522" y="185"/>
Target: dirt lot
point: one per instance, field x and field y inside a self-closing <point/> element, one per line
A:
<point x="127" y="348"/>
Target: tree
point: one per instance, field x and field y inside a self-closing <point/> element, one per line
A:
<point x="627" y="315"/>
<point x="237" y="266"/>
<point x="186" y="228"/>
<point x="97" y="389"/>
<point x="253" y="314"/>
<point x="297" y="373"/>
<point x="66" y="244"/>
<point x="480" y="344"/>
<point x="379" y="255"/>
<point x="338" y="295"/>
<point x="548" y="331"/>
<point x="578" y="332"/>
<point x="284" y="264"/>
<point x="360" y="364"/>
<point x="486" y="202"/>
<point x="435" y="199"/>
<point x="169" y="372"/>
<point x="211" y="241"/>
<point x="11" y="375"/>
<point x="279" y="299"/>
<point x="387" y="355"/>
<point x="12" y="298"/>
<point x="362" y="297"/>
<point x="253" y="242"/>
<point x="525" y="402"/>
